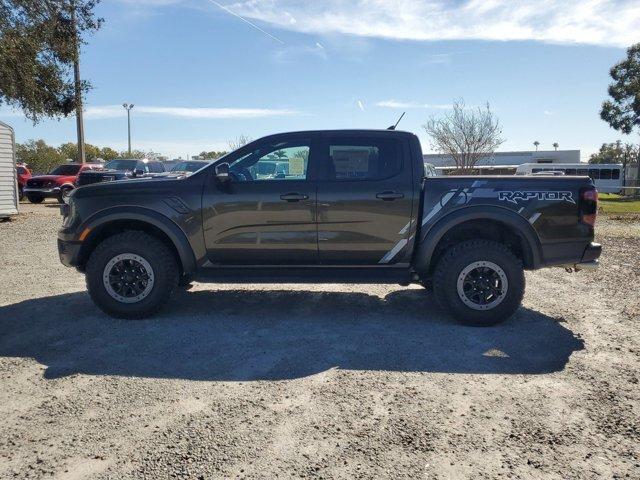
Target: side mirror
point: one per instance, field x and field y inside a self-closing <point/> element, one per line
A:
<point x="222" y="173"/>
<point x="138" y="172"/>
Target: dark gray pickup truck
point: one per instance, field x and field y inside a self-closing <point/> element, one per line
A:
<point x="351" y="206"/>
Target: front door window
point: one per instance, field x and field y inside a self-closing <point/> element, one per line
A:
<point x="280" y="161"/>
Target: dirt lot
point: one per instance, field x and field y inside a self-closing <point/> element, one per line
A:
<point x="333" y="381"/>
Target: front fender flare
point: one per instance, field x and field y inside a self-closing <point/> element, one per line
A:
<point x="175" y="234"/>
<point x="429" y="239"/>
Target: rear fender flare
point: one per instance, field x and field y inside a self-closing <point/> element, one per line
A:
<point x="429" y="239"/>
<point x="145" y="215"/>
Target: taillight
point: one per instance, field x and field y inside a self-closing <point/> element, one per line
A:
<point x="589" y="205"/>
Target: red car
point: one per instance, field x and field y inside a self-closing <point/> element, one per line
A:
<point x="23" y="174"/>
<point x="58" y="184"/>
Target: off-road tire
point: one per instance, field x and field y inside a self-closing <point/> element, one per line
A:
<point x="456" y="259"/>
<point x="35" y="198"/>
<point x="156" y="253"/>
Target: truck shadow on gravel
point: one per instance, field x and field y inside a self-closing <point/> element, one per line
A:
<point x="237" y="335"/>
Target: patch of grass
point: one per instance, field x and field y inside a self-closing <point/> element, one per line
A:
<point x="610" y="203"/>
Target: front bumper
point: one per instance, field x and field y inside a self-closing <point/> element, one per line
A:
<point x="53" y="192"/>
<point x="69" y="250"/>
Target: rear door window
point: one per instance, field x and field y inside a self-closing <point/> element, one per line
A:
<point x="363" y="158"/>
<point x="156" y="167"/>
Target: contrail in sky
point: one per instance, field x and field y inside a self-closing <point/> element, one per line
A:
<point x="246" y="21"/>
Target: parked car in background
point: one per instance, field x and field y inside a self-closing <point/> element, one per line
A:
<point x="189" y="166"/>
<point x="58" y="183"/>
<point x="22" y="175"/>
<point x="121" y="169"/>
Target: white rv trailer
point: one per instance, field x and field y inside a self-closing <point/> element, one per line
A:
<point x="607" y="177"/>
<point x="8" y="183"/>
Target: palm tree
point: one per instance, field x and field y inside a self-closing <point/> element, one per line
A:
<point x="536" y="144"/>
<point x="555" y="146"/>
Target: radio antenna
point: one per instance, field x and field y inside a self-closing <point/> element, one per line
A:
<point x="393" y="127"/>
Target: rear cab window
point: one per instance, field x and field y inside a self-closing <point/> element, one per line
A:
<point x="362" y="158"/>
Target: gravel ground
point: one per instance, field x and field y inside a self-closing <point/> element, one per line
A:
<point x="331" y="381"/>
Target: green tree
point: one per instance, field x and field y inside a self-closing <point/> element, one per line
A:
<point x="107" y="153"/>
<point x="213" y="155"/>
<point x="38" y="40"/>
<point x="40" y="157"/>
<point x="70" y="151"/>
<point x="536" y="144"/>
<point x="555" y="146"/>
<point x="622" y="110"/>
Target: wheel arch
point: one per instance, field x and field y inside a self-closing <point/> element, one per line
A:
<point x="111" y="221"/>
<point x="479" y="222"/>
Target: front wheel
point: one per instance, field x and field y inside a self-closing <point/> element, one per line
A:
<point x="131" y="275"/>
<point x="35" y="198"/>
<point x="479" y="282"/>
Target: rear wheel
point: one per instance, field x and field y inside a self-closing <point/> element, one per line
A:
<point x="35" y="198"/>
<point x="479" y="282"/>
<point x="131" y="275"/>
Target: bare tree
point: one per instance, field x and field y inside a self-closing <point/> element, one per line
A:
<point x="239" y="141"/>
<point x="466" y="134"/>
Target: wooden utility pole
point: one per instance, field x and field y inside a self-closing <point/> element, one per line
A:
<point x="78" y="87"/>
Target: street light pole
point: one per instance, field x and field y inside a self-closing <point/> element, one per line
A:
<point x="128" y="108"/>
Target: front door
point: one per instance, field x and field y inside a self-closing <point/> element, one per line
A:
<point x="365" y="196"/>
<point x="266" y="214"/>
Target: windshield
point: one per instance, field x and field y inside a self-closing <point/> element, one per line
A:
<point x="123" y="165"/>
<point x="188" y="166"/>
<point x="66" y="170"/>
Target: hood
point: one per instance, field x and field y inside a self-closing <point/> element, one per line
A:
<point x="143" y="185"/>
<point x="48" y="178"/>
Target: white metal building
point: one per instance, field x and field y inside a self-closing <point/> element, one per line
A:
<point x="511" y="158"/>
<point x="8" y="183"/>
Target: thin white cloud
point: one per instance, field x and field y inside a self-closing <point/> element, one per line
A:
<point x="115" y="111"/>
<point x="549" y="112"/>
<point x="360" y="105"/>
<point x="397" y="104"/>
<point x="596" y="22"/>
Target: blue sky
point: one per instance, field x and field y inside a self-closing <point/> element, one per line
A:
<point x="201" y="72"/>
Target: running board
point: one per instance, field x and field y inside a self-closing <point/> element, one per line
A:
<point x="376" y="275"/>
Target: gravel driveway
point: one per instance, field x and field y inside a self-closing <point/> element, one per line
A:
<point x="329" y="381"/>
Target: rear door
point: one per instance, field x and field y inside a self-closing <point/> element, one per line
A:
<point x="365" y="196"/>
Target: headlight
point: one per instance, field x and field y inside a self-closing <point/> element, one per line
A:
<point x="68" y="212"/>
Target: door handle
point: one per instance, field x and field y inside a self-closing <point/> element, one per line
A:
<point x="293" y="197"/>
<point x="389" y="195"/>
